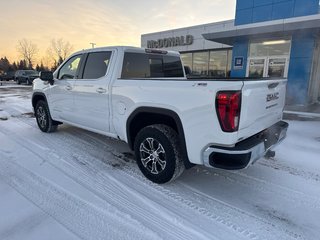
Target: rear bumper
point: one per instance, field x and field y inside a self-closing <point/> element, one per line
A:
<point x="246" y="152"/>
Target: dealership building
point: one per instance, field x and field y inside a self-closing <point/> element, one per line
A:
<point x="267" y="38"/>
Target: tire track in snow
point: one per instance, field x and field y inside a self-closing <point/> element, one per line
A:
<point x="148" y="189"/>
<point x="226" y="209"/>
<point x="273" y="226"/>
<point x="167" y="227"/>
<point x="293" y="171"/>
<point x="81" y="218"/>
<point x="135" y="173"/>
<point x="293" y="196"/>
<point x="231" y="216"/>
<point x="229" y="212"/>
<point x="261" y="185"/>
<point x="70" y="139"/>
<point x="268" y="221"/>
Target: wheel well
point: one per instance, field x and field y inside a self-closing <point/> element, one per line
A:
<point x="36" y="98"/>
<point x="146" y="116"/>
<point x="144" y="119"/>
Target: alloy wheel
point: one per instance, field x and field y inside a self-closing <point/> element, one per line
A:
<point x="153" y="155"/>
<point x="42" y="117"/>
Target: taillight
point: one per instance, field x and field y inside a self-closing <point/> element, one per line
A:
<point x="228" y="106"/>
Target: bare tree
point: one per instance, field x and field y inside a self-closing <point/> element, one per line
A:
<point x="27" y="50"/>
<point x="47" y="60"/>
<point x="59" y="49"/>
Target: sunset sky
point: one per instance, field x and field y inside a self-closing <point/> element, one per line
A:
<point x="117" y="22"/>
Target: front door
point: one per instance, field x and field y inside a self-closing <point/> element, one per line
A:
<point x="256" y="68"/>
<point x="277" y="67"/>
<point x="60" y="95"/>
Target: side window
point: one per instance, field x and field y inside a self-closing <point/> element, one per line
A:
<point x="96" y="65"/>
<point x="70" y="68"/>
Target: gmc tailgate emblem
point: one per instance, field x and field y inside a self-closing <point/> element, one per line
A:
<point x="272" y="96"/>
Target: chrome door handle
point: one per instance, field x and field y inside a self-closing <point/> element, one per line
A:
<point x="68" y="88"/>
<point x="101" y="90"/>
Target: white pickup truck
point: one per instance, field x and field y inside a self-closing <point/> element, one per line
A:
<point x="142" y="96"/>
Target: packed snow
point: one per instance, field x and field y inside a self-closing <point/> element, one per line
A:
<point x="74" y="184"/>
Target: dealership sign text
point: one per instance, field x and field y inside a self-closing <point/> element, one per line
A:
<point x="171" y="42"/>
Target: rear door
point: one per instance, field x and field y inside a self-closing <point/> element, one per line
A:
<point x="262" y="105"/>
<point x="91" y="92"/>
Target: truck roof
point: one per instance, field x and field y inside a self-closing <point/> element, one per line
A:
<point x="125" y="49"/>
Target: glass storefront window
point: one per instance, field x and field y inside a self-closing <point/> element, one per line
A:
<point x="269" y="58"/>
<point x="187" y="60"/>
<point x="215" y="63"/>
<point x="218" y="63"/>
<point x="200" y="63"/>
<point x="229" y="63"/>
<point x="270" y="48"/>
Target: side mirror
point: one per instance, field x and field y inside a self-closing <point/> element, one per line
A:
<point x="47" y="76"/>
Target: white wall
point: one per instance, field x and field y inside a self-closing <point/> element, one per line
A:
<point x="199" y="43"/>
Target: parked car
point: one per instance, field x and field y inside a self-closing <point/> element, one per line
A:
<point x="26" y="76"/>
<point x="142" y="96"/>
<point x="7" y="76"/>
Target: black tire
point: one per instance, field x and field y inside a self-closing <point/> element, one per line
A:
<point x="44" y="120"/>
<point x="158" y="153"/>
<point x="29" y="81"/>
<point x="18" y="81"/>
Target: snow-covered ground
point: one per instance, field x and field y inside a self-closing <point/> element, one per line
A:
<point x="74" y="184"/>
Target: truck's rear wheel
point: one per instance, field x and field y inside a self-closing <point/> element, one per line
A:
<point x="158" y="153"/>
<point x="44" y="120"/>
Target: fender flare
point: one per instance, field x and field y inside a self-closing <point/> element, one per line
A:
<point x="34" y="95"/>
<point x="165" y="112"/>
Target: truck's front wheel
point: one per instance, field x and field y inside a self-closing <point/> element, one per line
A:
<point x="44" y="121"/>
<point x="158" y="153"/>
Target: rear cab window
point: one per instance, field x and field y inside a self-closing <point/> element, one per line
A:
<point x="148" y="65"/>
<point x="96" y="65"/>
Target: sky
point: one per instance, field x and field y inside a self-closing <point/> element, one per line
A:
<point x="104" y="22"/>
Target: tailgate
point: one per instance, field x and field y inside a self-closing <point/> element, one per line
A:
<point x="262" y="105"/>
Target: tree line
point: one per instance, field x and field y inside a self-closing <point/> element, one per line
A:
<point x="28" y="51"/>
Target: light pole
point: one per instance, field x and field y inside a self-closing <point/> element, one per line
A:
<point x="93" y="44"/>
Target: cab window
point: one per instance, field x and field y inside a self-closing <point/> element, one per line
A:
<point x="96" y="65"/>
<point x="70" y="68"/>
<point x="141" y="65"/>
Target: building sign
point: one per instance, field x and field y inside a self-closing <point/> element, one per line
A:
<point x="171" y="42"/>
<point x="238" y="63"/>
